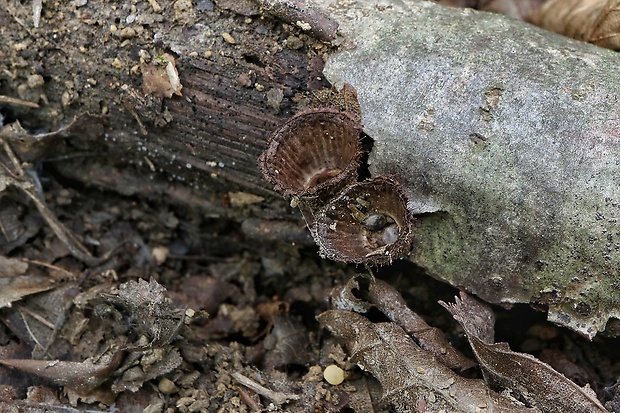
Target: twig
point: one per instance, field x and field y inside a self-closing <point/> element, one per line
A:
<point x="34" y="338"/>
<point x="16" y="101"/>
<point x="245" y="397"/>
<point x="45" y="407"/>
<point x="37" y="317"/>
<point x="28" y="186"/>
<point x="276" y="397"/>
<point x="50" y="266"/>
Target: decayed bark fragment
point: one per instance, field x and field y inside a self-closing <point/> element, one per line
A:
<point x="412" y="379"/>
<point x="534" y="381"/>
<point x="387" y="300"/>
<point x="505" y="138"/>
<point x="303" y="14"/>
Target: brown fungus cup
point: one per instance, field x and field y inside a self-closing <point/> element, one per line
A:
<point x="367" y="222"/>
<point x="313" y="154"/>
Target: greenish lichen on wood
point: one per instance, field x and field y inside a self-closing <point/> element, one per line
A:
<point x="507" y="140"/>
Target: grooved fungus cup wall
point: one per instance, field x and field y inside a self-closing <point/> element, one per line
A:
<point x="313" y="153"/>
<point x="367" y="222"/>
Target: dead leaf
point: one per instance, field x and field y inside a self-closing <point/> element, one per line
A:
<point x="35" y="147"/>
<point x="288" y="342"/>
<point x="15" y="284"/>
<point x="412" y="378"/>
<point x="535" y="382"/>
<point x="12" y="290"/>
<point x="83" y="376"/>
<point x="38" y="319"/>
<point x="605" y="30"/>
<point x="594" y="21"/>
<point x="149" y="309"/>
<point x="22" y="176"/>
<point x="386" y="299"/>
<point x="17" y="223"/>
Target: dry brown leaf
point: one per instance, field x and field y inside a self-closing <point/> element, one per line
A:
<point x="14" y="285"/>
<point x="149" y="309"/>
<point x="14" y="172"/>
<point x="387" y="300"/>
<point x="594" y="21"/>
<point x="288" y="342"/>
<point x="605" y="31"/>
<point x="532" y="380"/>
<point x="35" y="147"/>
<point x="412" y="378"/>
<point x="82" y="377"/>
<point x="38" y="319"/>
<point x="17" y="223"/>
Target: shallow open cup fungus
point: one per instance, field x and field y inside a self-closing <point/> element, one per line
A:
<point x="368" y="222"/>
<point x="314" y="153"/>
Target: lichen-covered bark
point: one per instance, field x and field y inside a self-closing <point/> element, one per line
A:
<point x="507" y="140"/>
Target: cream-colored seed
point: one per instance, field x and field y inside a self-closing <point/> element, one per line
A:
<point x="333" y="374"/>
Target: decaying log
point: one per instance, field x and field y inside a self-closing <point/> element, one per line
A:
<point x="506" y="140"/>
<point x="240" y="76"/>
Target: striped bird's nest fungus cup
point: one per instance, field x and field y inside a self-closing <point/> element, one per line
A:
<point x="313" y="154"/>
<point x="367" y="222"/>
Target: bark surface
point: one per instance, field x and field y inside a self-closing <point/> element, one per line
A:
<point x="506" y="140"/>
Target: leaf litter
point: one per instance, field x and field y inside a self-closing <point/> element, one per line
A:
<point x="531" y="380"/>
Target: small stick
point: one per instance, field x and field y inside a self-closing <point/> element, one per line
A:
<point x="17" y="101"/>
<point x="276" y="397"/>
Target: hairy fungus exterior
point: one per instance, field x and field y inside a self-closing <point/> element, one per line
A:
<point x="314" y="153"/>
<point x="348" y="228"/>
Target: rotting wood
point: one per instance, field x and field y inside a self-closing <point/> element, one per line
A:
<point x="207" y="141"/>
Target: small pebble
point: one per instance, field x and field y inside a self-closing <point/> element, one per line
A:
<point x="294" y="43"/>
<point x="244" y="80"/>
<point x="333" y="374"/>
<point x="35" y="81"/>
<point x="206" y="5"/>
<point x="375" y="222"/>
<point x="228" y="38"/>
<point x="127" y="33"/>
<point x="167" y="386"/>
